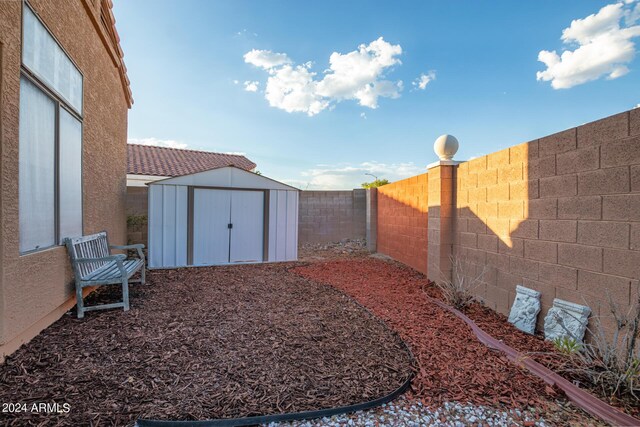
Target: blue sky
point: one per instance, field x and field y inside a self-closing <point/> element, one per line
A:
<point x="191" y="62"/>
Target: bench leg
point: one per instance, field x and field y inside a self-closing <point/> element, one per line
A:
<point x="125" y="294"/>
<point x="79" y="302"/>
<point x="143" y="279"/>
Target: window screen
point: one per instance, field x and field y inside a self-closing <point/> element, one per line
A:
<point x="36" y="179"/>
<point x="70" y="197"/>
<point x="42" y="55"/>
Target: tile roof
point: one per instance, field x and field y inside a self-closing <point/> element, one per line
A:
<point x="162" y="161"/>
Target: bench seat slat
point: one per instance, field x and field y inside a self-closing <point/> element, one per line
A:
<point x="111" y="270"/>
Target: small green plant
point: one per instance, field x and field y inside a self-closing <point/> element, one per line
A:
<point x="136" y="220"/>
<point x="375" y="184"/>
<point x="567" y="345"/>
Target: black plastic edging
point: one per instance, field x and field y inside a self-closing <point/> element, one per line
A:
<point x="264" y="419"/>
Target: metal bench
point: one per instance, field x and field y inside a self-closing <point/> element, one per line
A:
<point x="93" y="265"/>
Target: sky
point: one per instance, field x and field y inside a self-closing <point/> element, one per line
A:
<point x="319" y="94"/>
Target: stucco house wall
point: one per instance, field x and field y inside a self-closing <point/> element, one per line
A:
<point x="36" y="289"/>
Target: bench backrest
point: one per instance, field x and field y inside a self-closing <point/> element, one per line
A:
<point x="92" y="246"/>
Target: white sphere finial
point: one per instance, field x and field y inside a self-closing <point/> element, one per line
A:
<point x="446" y="146"/>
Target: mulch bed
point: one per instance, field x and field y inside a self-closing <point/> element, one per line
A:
<point x="453" y="364"/>
<point x="207" y="343"/>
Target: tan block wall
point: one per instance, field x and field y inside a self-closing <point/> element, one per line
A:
<point x="560" y="215"/>
<point x="138" y="205"/>
<point x="403" y="221"/>
<point x="331" y="216"/>
<point x="36" y="288"/>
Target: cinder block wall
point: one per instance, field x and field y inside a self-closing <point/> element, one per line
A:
<point x="137" y="200"/>
<point x="560" y="214"/>
<point x="403" y="221"/>
<point x="137" y="206"/>
<point x="331" y="216"/>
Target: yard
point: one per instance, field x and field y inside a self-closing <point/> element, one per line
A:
<point x="225" y="342"/>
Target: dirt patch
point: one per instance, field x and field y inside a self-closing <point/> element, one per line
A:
<point x="208" y="343"/>
<point x="453" y="364"/>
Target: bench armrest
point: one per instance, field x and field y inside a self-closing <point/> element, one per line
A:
<point x="138" y="247"/>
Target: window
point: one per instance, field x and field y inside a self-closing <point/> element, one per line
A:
<point x="50" y="146"/>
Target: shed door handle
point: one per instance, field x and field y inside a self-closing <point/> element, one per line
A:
<point x="230" y="226"/>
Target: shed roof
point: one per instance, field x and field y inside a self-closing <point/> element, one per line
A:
<point x="163" y="161"/>
<point x="226" y="177"/>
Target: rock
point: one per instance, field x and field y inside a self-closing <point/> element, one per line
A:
<point x="566" y="319"/>
<point x="525" y="309"/>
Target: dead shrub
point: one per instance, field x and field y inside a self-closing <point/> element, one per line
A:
<point x="610" y="360"/>
<point x="459" y="292"/>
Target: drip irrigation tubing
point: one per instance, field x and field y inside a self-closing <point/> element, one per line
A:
<point x="580" y="397"/>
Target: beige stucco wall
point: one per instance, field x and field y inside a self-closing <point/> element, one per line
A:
<point x="35" y="289"/>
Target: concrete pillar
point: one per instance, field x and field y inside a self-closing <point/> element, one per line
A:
<point x="442" y="209"/>
<point x="441" y="215"/>
<point x="372" y="219"/>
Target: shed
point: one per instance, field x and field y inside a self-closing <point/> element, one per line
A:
<point x="221" y="216"/>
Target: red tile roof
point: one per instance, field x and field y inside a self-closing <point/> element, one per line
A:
<point x="162" y="161"/>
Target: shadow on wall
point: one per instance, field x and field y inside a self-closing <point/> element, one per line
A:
<point x="403" y="221"/>
<point x="560" y="214"/>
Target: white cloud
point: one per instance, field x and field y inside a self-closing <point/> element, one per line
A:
<point x="357" y="75"/>
<point x="235" y="153"/>
<point x="246" y="33"/>
<point x="169" y="143"/>
<point x="266" y="59"/>
<point x="637" y="106"/>
<point x="603" y="47"/>
<point x="250" y="86"/>
<point x="363" y="115"/>
<point x="235" y="82"/>
<point x="345" y="176"/>
<point x="424" y="79"/>
<point x="293" y="89"/>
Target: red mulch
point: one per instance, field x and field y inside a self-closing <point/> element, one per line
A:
<point x="453" y="364"/>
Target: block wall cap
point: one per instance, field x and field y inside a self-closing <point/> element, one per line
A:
<point x="443" y="163"/>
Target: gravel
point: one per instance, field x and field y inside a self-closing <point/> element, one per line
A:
<point x="409" y="413"/>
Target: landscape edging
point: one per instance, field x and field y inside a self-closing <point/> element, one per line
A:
<point x="580" y="397"/>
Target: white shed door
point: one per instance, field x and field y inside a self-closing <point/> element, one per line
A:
<point x="228" y="226"/>
<point x="211" y="218"/>
<point x="247" y="233"/>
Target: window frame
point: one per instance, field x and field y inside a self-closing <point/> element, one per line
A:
<point x="60" y="102"/>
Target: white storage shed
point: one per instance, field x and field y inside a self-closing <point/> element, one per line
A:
<point x="221" y="216"/>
